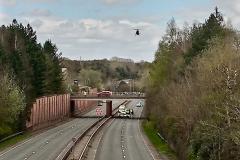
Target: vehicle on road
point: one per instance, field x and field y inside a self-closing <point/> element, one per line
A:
<point x="127" y="111"/>
<point x="131" y="112"/>
<point x="104" y="94"/>
<point x="122" y="110"/>
<point x="139" y="104"/>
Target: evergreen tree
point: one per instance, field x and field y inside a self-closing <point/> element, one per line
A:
<point x="202" y="34"/>
<point x="36" y="69"/>
<point x="54" y="82"/>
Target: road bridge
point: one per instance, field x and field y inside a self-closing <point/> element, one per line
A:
<point x="107" y="99"/>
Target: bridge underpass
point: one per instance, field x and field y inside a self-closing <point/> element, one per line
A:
<point x="106" y="98"/>
<point x="107" y="101"/>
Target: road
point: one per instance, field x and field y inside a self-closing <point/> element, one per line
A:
<point x="47" y="145"/>
<point x="123" y="140"/>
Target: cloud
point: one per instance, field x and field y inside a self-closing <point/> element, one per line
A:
<point x="114" y="2"/>
<point x="37" y="12"/>
<point x="37" y="1"/>
<point x="4" y="19"/>
<point x="37" y="23"/>
<point x="7" y="2"/>
<point x="230" y="10"/>
<point x="232" y="5"/>
<point x="93" y="38"/>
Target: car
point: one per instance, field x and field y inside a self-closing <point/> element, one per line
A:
<point x="139" y="104"/>
<point x="131" y="112"/>
<point x="100" y="103"/>
<point x="124" y="112"/>
<point x="121" y="110"/>
<point x="104" y="94"/>
<point x="128" y="111"/>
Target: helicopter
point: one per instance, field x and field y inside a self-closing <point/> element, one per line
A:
<point x="137" y="32"/>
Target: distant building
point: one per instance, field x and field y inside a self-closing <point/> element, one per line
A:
<point x="117" y="59"/>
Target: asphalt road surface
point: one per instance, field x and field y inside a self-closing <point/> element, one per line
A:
<point x="47" y="145"/>
<point x="123" y="140"/>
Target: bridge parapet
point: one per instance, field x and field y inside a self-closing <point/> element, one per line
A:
<point x="92" y="97"/>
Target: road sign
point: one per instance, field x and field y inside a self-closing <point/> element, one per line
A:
<point x="98" y="111"/>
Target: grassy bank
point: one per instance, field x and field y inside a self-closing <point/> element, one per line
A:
<point x="14" y="141"/>
<point x="161" y="146"/>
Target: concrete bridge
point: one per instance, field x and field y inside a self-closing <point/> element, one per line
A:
<point x="113" y="97"/>
<point x="106" y="99"/>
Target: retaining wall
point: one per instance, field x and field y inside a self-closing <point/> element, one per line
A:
<point x="83" y="106"/>
<point x="47" y="111"/>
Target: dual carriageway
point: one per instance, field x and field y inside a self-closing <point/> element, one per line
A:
<point x="116" y="139"/>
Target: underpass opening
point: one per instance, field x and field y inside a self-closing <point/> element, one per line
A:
<point x="72" y="107"/>
<point x="108" y="110"/>
<point x="102" y="104"/>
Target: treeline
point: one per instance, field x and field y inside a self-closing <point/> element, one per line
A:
<point x="194" y="90"/>
<point x="27" y="70"/>
<point x="102" y="73"/>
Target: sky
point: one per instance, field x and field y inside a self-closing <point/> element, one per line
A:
<point x="97" y="29"/>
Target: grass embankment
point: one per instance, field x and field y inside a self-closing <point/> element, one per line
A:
<point x="14" y="140"/>
<point x="161" y="146"/>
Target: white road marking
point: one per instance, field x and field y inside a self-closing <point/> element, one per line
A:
<point x="15" y="147"/>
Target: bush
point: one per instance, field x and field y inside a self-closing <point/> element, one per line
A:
<point x="12" y="103"/>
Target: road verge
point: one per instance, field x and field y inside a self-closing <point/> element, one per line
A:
<point x="159" y="144"/>
<point x="14" y="140"/>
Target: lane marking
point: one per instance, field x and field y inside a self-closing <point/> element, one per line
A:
<point x="15" y="147"/>
<point x="31" y="138"/>
<point x="101" y="138"/>
<point x="36" y="136"/>
<point x="123" y="137"/>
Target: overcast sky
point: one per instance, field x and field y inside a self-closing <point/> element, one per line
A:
<point x="96" y="29"/>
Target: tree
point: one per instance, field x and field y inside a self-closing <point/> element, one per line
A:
<point x="203" y="34"/>
<point x="36" y="69"/>
<point x="54" y="82"/>
<point x="12" y="101"/>
<point x="193" y="96"/>
<point x="123" y="87"/>
<point x="90" y="78"/>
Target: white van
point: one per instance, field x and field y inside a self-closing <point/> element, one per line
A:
<point x="122" y="110"/>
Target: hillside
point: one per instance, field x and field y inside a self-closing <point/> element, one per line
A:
<point x="107" y="70"/>
<point x="193" y="93"/>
